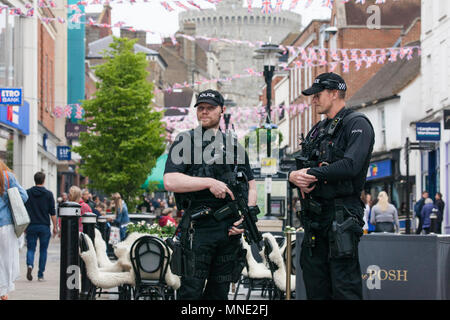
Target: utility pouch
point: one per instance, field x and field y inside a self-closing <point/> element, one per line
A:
<point x="182" y="262"/>
<point x="225" y="212"/>
<point x="314" y="207"/>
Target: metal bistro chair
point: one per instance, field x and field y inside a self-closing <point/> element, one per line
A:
<point x="150" y="259"/>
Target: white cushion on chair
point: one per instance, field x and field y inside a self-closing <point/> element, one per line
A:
<point x="256" y="270"/>
<point x="279" y="276"/>
<point x="102" y="279"/>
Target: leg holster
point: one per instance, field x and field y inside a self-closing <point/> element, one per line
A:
<point x="345" y="233"/>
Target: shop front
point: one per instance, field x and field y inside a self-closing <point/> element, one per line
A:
<point x="381" y="176"/>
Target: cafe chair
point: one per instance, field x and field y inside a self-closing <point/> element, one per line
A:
<point x="150" y="259"/>
<point x="103" y="279"/>
<point x="273" y="257"/>
<point x="256" y="276"/>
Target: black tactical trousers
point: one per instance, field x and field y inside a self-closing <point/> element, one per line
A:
<point x="215" y="257"/>
<point x="329" y="278"/>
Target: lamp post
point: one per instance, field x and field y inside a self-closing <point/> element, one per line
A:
<point x="269" y="53"/>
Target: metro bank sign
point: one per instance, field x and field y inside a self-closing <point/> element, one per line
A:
<point x="11" y="96"/>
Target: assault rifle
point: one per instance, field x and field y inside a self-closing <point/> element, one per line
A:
<point x="237" y="183"/>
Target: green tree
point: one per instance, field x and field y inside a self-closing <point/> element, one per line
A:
<point x="125" y="135"/>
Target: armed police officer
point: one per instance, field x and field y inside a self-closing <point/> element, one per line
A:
<point x="198" y="170"/>
<point x="331" y="173"/>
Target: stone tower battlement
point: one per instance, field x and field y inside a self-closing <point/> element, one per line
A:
<point x="230" y="20"/>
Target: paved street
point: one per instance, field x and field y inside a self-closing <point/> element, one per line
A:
<point x="35" y="290"/>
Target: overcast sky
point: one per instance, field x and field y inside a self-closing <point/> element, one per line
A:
<point x="152" y="16"/>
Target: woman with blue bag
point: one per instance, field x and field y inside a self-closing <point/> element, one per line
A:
<point x="122" y="219"/>
<point x="9" y="243"/>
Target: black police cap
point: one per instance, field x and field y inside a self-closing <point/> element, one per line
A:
<point x="330" y="81"/>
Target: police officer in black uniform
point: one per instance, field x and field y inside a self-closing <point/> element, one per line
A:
<point x="200" y="186"/>
<point x="330" y="175"/>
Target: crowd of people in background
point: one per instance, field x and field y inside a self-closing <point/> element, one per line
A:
<point x="382" y="216"/>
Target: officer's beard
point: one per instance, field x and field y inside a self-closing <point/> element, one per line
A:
<point x="211" y="124"/>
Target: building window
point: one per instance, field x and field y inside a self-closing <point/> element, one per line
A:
<point x="281" y="115"/>
<point x="425" y="175"/>
<point x="8" y="49"/>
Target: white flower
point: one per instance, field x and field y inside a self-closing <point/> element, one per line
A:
<point x="170" y="223"/>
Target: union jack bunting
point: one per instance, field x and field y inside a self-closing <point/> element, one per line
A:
<point x="166" y="6"/>
<point x="278" y="5"/>
<point x="266" y="7"/>
<point x="178" y="3"/>
<point x="192" y="3"/>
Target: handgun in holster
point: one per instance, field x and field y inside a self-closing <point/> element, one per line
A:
<point x="342" y="239"/>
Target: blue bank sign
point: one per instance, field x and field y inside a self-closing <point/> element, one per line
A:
<point x="428" y="131"/>
<point x="16" y="117"/>
<point x="64" y="153"/>
<point x="379" y="169"/>
<point x="11" y="96"/>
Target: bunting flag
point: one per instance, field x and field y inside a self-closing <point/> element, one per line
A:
<point x="166" y="6"/>
<point x="278" y="5"/>
<point x="249" y="6"/>
<point x="192" y="3"/>
<point x="266" y="7"/>
<point x="181" y="5"/>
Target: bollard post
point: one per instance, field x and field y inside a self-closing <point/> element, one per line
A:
<point x="288" y="264"/>
<point x="101" y="225"/>
<point x="88" y="220"/>
<point x="69" y="212"/>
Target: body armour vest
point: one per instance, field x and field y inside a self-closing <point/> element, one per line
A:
<point x="326" y="144"/>
<point x="215" y="163"/>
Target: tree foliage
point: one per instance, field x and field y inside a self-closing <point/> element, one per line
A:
<point x="125" y="135"/>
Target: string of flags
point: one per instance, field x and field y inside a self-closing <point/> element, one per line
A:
<point x="313" y="57"/>
<point x="267" y="6"/>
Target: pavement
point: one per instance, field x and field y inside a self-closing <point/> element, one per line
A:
<point x="49" y="289"/>
<point x="36" y="290"/>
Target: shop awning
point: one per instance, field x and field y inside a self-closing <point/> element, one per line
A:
<point x="157" y="173"/>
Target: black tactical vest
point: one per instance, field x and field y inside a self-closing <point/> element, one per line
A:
<point x="218" y="171"/>
<point x="326" y="144"/>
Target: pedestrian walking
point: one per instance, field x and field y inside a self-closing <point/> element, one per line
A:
<point x="428" y="209"/>
<point x="440" y="204"/>
<point x="41" y="208"/>
<point x="121" y="219"/>
<point x="384" y="215"/>
<point x="331" y="173"/>
<point x="9" y="243"/>
<point x="418" y="210"/>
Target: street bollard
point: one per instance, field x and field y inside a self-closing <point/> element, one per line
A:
<point x="88" y="220"/>
<point x="101" y="225"/>
<point x="69" y="212"/>
<point x="288" y="264"/>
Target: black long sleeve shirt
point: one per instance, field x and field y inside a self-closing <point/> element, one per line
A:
<point x="358" y="137"/>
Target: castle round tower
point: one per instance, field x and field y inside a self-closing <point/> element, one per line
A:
<point x="230" y="20"/>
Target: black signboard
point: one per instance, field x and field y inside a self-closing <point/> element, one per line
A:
<point x="278" y="175"/>
<point x="73" y="130"/>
